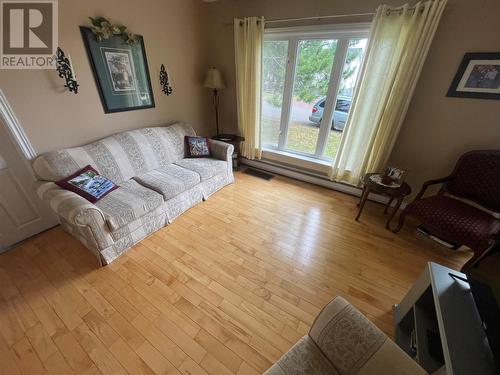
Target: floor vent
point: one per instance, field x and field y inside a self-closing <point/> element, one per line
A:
<point x="260" y="174"/>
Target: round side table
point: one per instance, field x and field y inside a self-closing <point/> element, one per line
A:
<point x="394" y="193"/>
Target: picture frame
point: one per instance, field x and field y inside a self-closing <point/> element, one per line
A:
<point x="393" y="175"/>
<point x="120" y="71"/>
<point x="477" y="77"/>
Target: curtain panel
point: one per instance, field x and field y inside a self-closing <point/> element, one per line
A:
<point x="399" y="42"/>
<point x="248" y="39"/>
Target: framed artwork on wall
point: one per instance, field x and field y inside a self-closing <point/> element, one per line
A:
<point x="477" y="77"/>
<point x="120" y="71"/>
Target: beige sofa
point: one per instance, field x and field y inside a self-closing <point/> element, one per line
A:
<point x="343" y="342"/>
<point x="157" y="184"/>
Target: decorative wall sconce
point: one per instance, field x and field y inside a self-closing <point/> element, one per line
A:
<point x="165" y="81"/>
<point x="65" y="70"/>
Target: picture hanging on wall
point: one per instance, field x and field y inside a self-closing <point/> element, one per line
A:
<point x="120" y="70"/>
<point x="477" y="77"/>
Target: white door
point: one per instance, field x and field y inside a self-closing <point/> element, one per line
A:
<point x="22" y="213"/>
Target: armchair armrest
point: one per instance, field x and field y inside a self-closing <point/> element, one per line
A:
<point x="334" y="311"/>
<point x="221" y="150"/>
<point x="428" y="183"/>
<point x="77" y="211"/>
<point x="340" y="330"/>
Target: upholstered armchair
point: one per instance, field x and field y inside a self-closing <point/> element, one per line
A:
<point x="463" y="211"/>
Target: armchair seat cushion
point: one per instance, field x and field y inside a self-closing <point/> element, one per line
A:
<point x="455" y="220"/>
<point x="128" y="203"/>
<point x="170" y="180"/>
<point x="205" y="167"/>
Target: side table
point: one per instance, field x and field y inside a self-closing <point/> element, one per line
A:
<point x="394" y="193"/>
<point x="233" y="139"/>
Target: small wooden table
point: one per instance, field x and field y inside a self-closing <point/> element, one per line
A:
<point x="394" y="193"/>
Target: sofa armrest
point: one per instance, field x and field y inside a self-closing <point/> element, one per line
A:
<point x="69" y="205"/>
<point x="76" y="210"/>
<point x="221" y="150"/>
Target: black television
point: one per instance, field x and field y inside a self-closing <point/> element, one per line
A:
<point x="484" y="281"/>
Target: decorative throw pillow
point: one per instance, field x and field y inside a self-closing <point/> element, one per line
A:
<point x="197" y="147"/>
<point x="88" y="183"/>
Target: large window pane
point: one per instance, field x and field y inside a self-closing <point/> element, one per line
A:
<point x="312" y="76"/>
<point x="275" y="55"/>
<point x="350" y="72"/>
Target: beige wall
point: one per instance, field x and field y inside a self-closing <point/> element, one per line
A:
<point x="172" y="34"/>
<point x="189" y="35"/>
<point x="437" y="129"/>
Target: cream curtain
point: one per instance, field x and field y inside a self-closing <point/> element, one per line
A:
<point x="399" y="41"/>
<point x="248" y="36"/>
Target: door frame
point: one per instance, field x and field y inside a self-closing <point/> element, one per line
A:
<point x="13" y="127"/>
<point x="24" y="151"/>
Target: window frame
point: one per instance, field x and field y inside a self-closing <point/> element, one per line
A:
<point x="342" y="33"/>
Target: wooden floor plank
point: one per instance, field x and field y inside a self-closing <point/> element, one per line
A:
<point x="225" y="289"/>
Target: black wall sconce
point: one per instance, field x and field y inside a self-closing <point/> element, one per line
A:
<point x="65" y="70"/>
<point x="165" y="81"/>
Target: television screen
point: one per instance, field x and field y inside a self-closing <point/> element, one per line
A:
<point x="485" y="284"/>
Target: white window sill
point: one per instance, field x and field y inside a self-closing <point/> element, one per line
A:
<point x="297" y="160"/>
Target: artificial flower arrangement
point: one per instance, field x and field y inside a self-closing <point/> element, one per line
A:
<point x="104" y="29"/>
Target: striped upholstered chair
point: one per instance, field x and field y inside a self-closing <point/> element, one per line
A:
<point x="342" y="341"/>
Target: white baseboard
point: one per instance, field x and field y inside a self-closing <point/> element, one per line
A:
<point x="312" y="178"/>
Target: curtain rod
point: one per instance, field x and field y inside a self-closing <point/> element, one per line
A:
<point x="318" y="18"/>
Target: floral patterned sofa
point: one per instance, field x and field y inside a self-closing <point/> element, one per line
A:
<point x="344" y="342"/>
<point x="156" y="182"/>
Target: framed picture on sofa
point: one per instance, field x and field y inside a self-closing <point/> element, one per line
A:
<point x="477" y="77"/>
<point x="120" y="71"/>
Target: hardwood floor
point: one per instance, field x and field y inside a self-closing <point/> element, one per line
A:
<point x="227" y="288"/>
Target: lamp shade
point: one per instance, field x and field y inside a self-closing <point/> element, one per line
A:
<point x="213" y="79"/>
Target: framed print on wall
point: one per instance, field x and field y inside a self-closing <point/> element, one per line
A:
<point x="120" y="71"/>
<point x="477" y="77"/>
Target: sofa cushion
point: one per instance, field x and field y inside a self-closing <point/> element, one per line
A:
<point x="205" y="167"/>
<point x="169" y="181"/>
<point x="118" y="157"/>
<point x="303" y="358"/>
<point x="128" y="203"/>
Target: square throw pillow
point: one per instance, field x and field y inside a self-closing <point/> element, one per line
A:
<point x="88" y="183"/>
<point x="197" y="147"/>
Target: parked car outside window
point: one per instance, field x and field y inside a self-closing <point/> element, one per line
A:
<point x="339" y="115"/>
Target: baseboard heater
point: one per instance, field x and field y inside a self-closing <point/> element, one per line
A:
<point x="311" y="177"/>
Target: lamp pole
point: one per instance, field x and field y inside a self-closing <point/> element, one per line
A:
<point x="216" y="105"/>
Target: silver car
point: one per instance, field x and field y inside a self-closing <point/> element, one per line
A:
<point x="339" y="115"/>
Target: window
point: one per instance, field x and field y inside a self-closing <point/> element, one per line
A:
<point x="343" y="105"/>
<point x="308" y="81"/>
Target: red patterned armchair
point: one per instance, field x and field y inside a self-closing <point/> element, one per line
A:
<point x="476" y="178"/>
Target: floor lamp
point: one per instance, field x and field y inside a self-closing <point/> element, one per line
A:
<point x="214" y="81"/>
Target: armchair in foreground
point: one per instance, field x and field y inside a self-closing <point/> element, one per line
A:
<point x="463" y="209"/>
